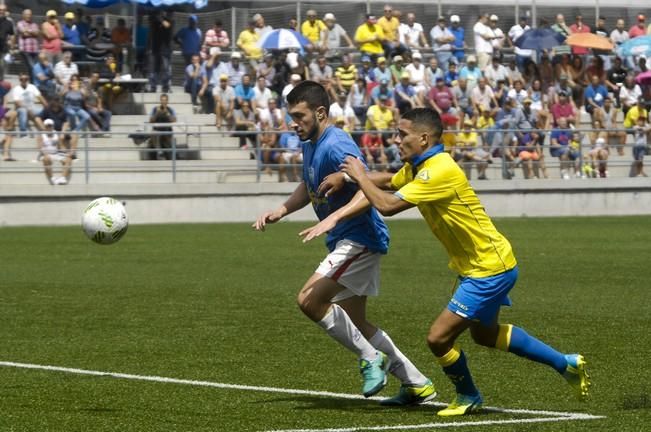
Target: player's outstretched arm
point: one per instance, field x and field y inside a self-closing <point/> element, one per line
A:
<point x="335" y="181"/>
<point x="298" y="199"/>
<point x="357" y="205"/>
<point x="387" y="204"/>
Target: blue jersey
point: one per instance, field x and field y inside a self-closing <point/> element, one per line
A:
<point x="324" y="158"/>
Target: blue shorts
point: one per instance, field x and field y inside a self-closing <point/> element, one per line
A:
<point x="480" y="299"/>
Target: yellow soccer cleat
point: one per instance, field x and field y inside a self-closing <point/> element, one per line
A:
<point x="577" y="376"/>
<point x="412" y="395"/>
<point x="462" y="405"/>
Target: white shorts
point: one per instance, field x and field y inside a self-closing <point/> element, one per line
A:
<point x="57" y="157"/>
<point x="353" y="266"/>
<point x="287" y="157"/>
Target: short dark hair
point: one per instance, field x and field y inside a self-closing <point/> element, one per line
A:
<point x="313" y="93"/>
<point x="426" y="118"/>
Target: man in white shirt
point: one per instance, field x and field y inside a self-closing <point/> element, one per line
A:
<point x="442" y="39"/>
<point x="261" y="94"/>
<point x="498" y="35"/>
<point x="260" y="27"/>
<point x="482" y="96"/>
<point x="411" y="33"/>
<point x="25" y="95"/>
<point x="495" y="72"/>
<point x="618" y="37"/>
<point x="416" y="71"/>
<point x="340" y="109"/>
<point x="521" y="55"/>
<point x="483" y="36"/>
<point x="64" y="69"/>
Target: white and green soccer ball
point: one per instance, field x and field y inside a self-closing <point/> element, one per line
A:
<point x="105" y="220"/>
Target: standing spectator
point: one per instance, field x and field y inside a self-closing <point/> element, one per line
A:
<point x="224" y="96"/>
<point x="121" y="39"/>
<point x="51" y="149"/>
<point x="498" y="35"/>
<point x="65" y="69"/>
<point x="579" y="27"/>
<point x="71" y="35"/>
<point x="561" y="28"/>
<point x="161" y="28"/>
<point x="216" y="37"/>
<point x="483" y="37"/>
<point x="639" y="29"/>
<point x="83" y="25"/>
<point x="601" y="30"/>
<point x="442" y="40"/>
<point x="335" y="34"/>
<point x="521" y="55"/>
<point x="52" y="36"/>
<point x="411" y="34"/>
<point x="189" y="38"/>
<point x="321" y="72"/>
<point x="162" y="113"/>
<point x="73" y="105"/>
<point x="99" y="43"/>
<point x="315" y="31"/>
<point x="345" y="74"/>
<point x="459" y="33"/>
<point x="618" y="36"/>
<point x="25" y="95"/>
<point x="28" y="34"/>
<point x="6" y="38"/>
<point x="260" y="27"/>
<point x="389" y="24"/>
<point x="195" y="81"/>
<point x="370" y="37"/>
<point x="247" y="41"/>
<point x="641" y="132"/>
<point x="44" y="75"/>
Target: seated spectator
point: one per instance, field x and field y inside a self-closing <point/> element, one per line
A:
<point x="451" y="75"/>
<point x="608" y="119"/>
<point x="482" y="97"/>
<point x="247" y="41"/>
<point x="512" y="119"/>
<point x="235" y="69"/>
<point x="73" y="105"/>
<point x="392" y="152"/>
<point x="411" y="34"/>
<point x="321" y="72"/>
<point x="260" y="27"/>
<point x="269" y="150"/>
<point x="441" y="98"/>
<point x="598" y="155"/>
<point x="641" y="133"/>
<point x="370" y="37"/>
<point x="485" y="122"/>
<point x="495" y="72"/>
<point x="109" y="71"/>
<point x="316" y="32"/>
<point x="291" y="154"/>
<point x="433" y="72"/>
<point x="163" y="140"/>
<point x="341" y="109"/>
<point x="396" y="68"/>
<point x="7" y="121"/>
<point x="274" y="115"/>
<point x="358" y="99"/>
<point x="529" y="152"/>
<point x="335" y="33"/>
<point x="629" y="93"/>
<point x="372" y="147"/>
<point x="44" y="75"/>
<point x="245" y="120"/>
<point x="594" y="95"/>
<point x="379" y="119"/>
<point x="389" y="23"/>
<point x="560" y="147"/>
<point x="52" y="36"/>
<point x="416" y="71"/>
<point x="381" y="72"/>
<point x="224" y="96"/>
<point x="518" y="93"/>
<point x="563" y="109"/>
<point x="537" y="96"/>
<point x="345" y="74"/>
<point x="244" y="92"/>
<point x="405" y="95"/>
<point x="25" y="96"/>
<point x="293" y="82"/>
<point x="383" y="89"/>
<point x="615" y="78"/>
<point x="51" y="150"/>
<point x="195" y="81"/>
<point x="100" y="118"/>
<point x="189" y="38"/>
<point x="216" y="37"/>
<point x="266" y="69"/>
<point x="462" y="94"/>
<point x="468" y="152"/>
<point x="99" y="41"/>
<point x="366" y="69"/>
<point x="64" y="70"/>
<point x="470" y="72"/>
<point x="513" y="71"/>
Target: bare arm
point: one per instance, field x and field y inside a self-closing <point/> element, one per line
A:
<point x="356" y="206"/>
<point x="298" y="199"/>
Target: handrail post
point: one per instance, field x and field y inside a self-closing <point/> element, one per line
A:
<point x="173" y="157"/>
<point x="86" y="157"/>
<point x="258" y="154"/>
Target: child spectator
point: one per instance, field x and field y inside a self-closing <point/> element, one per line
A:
<point x="641" y="132"/>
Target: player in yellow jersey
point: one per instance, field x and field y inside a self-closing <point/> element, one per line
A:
<point x="479" y="254"/>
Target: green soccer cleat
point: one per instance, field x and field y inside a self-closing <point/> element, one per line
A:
<point x="576" y="375"/>
<point x="462" y="405"/>
<point x="374" y="373"/>
<point x="412" y="395"/>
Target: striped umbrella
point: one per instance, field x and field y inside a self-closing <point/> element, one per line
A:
<point x="283" y="39"/>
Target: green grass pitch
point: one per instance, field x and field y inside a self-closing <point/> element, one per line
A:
<point x="217" y="303"/>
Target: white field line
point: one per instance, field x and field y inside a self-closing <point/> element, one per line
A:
<point x="548" y="415"/>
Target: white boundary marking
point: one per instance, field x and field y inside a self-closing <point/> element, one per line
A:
<point x="548" y="416"/>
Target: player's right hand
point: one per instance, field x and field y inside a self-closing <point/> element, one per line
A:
<point x="266" y="218"/>
<point x="331" y="184"/>
<point x="315" y="231"/>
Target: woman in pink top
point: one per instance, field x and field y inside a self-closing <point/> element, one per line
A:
<point x="52" y="35"/>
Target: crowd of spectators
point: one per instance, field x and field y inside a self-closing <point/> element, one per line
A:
<point x="496" y="99"/>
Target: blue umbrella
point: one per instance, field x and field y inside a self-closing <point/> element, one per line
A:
<point x="283" y="39"/>
<point x="539" y="39"/>
<point x="637" y="46"/>
<point x="156" y="3"/>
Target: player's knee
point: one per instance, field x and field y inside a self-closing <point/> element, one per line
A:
<point x="438" y="343"/>
<point x="484" y="338"/>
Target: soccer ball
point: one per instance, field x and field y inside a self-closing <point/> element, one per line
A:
<point x="105" y="220"/>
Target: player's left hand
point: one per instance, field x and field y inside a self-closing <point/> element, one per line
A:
<point x="315" y="231"/>
<point x="331" y="184"/>
<point x="354" y="168"/>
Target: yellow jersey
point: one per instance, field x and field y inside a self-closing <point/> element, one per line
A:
<point x="370" y="38"/>
<point x="633" y="114"/>
<point x="248" y="42"/>
<point x="381" y="119"/>
<point x="313" y="31"/>
<point x="455" y="215"/>
<point x="389" y="27"/>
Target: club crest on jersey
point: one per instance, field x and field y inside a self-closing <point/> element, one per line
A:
<point x="423" y="175"/>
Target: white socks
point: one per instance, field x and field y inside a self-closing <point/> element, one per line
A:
<point x="400" y="366"/>
<point x="339" y="326"/>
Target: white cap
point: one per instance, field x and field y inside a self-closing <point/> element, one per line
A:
<point x="600" y="141"/>
<point x="455" y="18"/>
<point x="256" y="17"/>
<point x="236" y="55"/>
<point x="48" y="122"/>
<point x="493" y="17"/>
<point x="417" y="55"/>
<point x="329" y="16"/>
<point x="295" y="77"/>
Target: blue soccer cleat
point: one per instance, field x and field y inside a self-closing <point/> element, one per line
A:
<point x="374" y="373"/>
<point x="577" y="376"/>
<point x="412" y="395"/>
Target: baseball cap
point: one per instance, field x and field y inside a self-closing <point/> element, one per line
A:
<point x="404" y="75"/>
<point x="527" y="100"/>
<point x="381" y="60"/>
<point x="69" y="15"/>
<point x="223" y="77"/>
<point x="600" y="141"/>
<point x="493" y="17"/>
<point x="441" y="18"/>
<point x="51" y="13"/>
<point x="417" y="55"/>
<point x="455" y="18"/>
<point x="236" y="55"/>
<point x="366" y="58"/>
<point x="329" y="17"/>
<point x="397" y="58"/>
<point x="193" y="18"/>
<point x="370" y="17"/>
<point x="523" y="18"/>
<point x="342" y="94"/>
<point x="467" y="122"/>
<point x="383" y="97"/>
<point x="295" y="77"/>
<point x="471" y="59"/>
<point x="256" y="17"/>
<point x="48" y="122"/>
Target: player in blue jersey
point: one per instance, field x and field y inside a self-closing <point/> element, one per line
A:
<point x="335" y="295"/>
